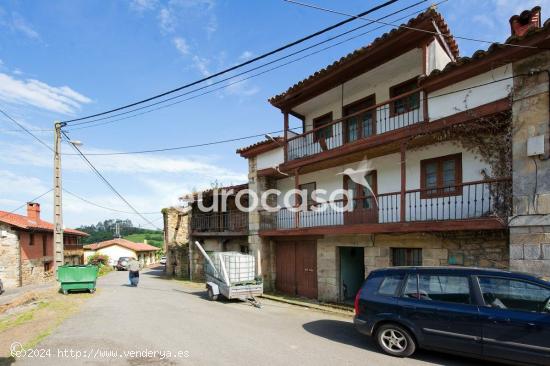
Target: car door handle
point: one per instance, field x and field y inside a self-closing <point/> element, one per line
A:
<point x="497" y="320"/>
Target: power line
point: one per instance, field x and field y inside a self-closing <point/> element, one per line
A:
<point x="253" y="69"/>
<point x="104" y="207"/>
<point x="26" y="130"/>
<point x="109" y="185"/>
<point x="279" y="131"/>
<point x="186" y="146"/>
<point x="25" y="204"/>
<point x="243" y="79"/>
<point x="264" y="55"/>
<point x="351" y="16"/>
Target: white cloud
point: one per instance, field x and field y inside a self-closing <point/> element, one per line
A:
<point x="246" y="55"/>
<point x="41" y="95"/>
<point x="21" y="25"/>
<point x="202" y="65"/>
<point x="243" y="89"/>
<point x="143" y="5"/>
<point x="11" y="182"/>
<point x="181" y="45"/>
<point x="166" y="20"/>
<point x="135" y="165"/>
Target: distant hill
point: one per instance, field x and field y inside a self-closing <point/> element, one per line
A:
<point x="106" y="230"/>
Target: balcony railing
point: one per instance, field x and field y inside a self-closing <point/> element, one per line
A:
<point x="402" y="111"/>
<point x="230" y="221"/>
<point x="474" y="200"/>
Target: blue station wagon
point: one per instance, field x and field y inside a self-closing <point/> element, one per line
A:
<point x="492" y="314"/>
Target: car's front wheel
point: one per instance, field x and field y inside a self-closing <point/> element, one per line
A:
<point x="395" y="340"/>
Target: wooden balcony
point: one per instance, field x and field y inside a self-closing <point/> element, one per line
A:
<point x="229" y="223"/>
<point x="480" y="205"/>
<point x="402" y="111"/>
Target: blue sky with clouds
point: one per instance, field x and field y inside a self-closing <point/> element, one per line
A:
<point x="65" y="58"/>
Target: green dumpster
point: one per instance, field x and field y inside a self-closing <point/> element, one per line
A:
<point x="77" y="278"/>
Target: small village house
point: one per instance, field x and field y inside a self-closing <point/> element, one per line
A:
<point x="118" y="247"/>
<point x="27" y="248"/>
<point x="453" y="173"/>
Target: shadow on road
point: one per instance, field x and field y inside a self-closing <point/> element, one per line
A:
<point x="344" y="332"/>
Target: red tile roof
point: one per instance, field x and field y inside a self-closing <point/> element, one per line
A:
<point x="260" y="146"/>
<point x="364" y="52"/>
<point x="23" y="222"/>
<point x="136" y="247"/>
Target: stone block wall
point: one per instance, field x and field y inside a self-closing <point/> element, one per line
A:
<point x="9" y="257"/>
<point x="480" y="249"/>
<point x="176" y="241"/>
<point x="530" y="221"/>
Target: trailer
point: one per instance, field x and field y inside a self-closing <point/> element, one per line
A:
<point x="231" y="275"/>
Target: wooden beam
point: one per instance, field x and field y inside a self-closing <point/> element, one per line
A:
<point x="285" y="136"/>
<point x="296" y="197"/>
<point x="403" y="182"/>
<point x="398" y="227"/>
<point x="401" y="134"/>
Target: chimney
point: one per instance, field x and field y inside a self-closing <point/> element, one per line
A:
<point x="33" y="211"/>
<point x="528" y="19"/>
<point x="144" y="241"/>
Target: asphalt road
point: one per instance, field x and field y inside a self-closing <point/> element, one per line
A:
<point x="122" y="325"/>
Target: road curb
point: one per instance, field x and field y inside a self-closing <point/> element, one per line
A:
<point x="335" y="309"/>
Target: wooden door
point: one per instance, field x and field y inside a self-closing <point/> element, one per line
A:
<point x="364" y="208"/>
<point x="306" y="269"/>
<point x="285" y="258"/>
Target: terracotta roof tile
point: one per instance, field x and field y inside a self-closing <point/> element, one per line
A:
<point x="481" y="54"/>
<point x="364" y="51"/>
<point x="265" y="142"/>
<point x="23" y="222"/>
<point x="136" y="247"/>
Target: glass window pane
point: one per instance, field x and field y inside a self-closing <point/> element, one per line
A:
<point x="431" y="175"/>
<point x="411" y="288"/>
<point x="353" y="129"/>
<point x="449" y="173"/>
<point x="454" y="289"/>
<point x="513" y="294"/>
<point x="368" y="125"/>
<point x="390" y="285"/>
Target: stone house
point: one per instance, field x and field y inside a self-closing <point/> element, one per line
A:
<point x="219" y="228"/>
<point x="176" y="241"/>
<point x="423" y="143"/>
<point x="26" y="248"/>
<point x="118" y="247"/>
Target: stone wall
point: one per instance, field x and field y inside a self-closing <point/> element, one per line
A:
<point x="530" y="221"/>
<point x="9" y="257"/>
<point x="176" y="241"/>
<point x="33" y="272"/>
<point x="480" y="249"/>
<point x="260" y="247"/>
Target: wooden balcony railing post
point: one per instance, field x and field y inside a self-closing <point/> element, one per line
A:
<point x="402" y="212"/>
<point x="285" y="136"/>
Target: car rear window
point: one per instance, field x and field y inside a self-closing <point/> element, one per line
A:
<point x="390" y="285"/>
<point x="445" y="288"/>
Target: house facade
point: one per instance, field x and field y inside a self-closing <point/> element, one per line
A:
<point x="215" y="227"/>
<point x="407" y="155"/>
<point x="27" y="249"/>
<point x="118" y="247"/>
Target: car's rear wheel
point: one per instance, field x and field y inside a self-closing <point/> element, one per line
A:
<point x="395" y="340"/>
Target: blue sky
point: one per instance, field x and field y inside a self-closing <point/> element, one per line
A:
<point x="63" y="59"/>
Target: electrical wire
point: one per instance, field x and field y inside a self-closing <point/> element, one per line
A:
<point x="259" y="67"/>
<point x="108" y="184"/>
<point x="25" y="204"/>
<point x="26" y="130"/>
<point x="104" y="207"/>
<point x="238" y="66"/>
<point x="351" y="16"/>
<point x="279" y="131"/>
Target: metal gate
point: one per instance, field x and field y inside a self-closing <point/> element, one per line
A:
<point x="297" y="268"/>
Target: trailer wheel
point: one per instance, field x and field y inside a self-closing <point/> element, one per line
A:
<point x="211" y="295"/>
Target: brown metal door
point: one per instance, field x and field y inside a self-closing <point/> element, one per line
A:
<point x="306" y="269"/>
<point x="286" y="268"/>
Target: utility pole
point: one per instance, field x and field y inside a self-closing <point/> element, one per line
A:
<point x="57" y="197"/>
